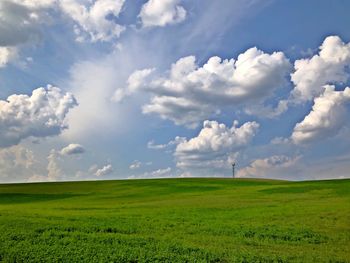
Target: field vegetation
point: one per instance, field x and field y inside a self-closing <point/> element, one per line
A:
<point x="176" y="220"/>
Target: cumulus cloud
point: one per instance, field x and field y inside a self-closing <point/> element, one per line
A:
<point x="216" y="145"/>
<point x="191" y="93"/>
<point x="326" y="118"/>
<point x="105" y="170"/>
<point x="95" y="22"/>
<point x="72" y="148"/>
<point x="21" y="21"/>
<point x="329" y="66"/>
<point x="277" y="166"/>
<point x="162" y="13"/>
<point x="40" y="115"/>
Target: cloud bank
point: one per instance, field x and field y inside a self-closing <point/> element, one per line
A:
<point x="329" y="66"/>
<point x="277" y="166"/>
<point x="216" y="145"/>
<point x="40" y="115"/>
<point x="94" y="22"/>
<point x="191" y="93"/>
<point x="327" y="117"/>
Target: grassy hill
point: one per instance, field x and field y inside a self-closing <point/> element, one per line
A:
<point x="176" y="220"/>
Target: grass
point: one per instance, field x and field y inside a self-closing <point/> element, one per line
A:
<point x="176" y="220"/>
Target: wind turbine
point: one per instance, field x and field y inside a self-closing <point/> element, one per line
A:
<point x="233" y="170"/>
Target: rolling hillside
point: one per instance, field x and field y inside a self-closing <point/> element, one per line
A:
<point x="176" y="220"/>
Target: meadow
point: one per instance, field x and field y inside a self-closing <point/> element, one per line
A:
<point x="176" y="220"/>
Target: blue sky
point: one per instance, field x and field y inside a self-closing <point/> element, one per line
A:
<point x="112" y="89"/>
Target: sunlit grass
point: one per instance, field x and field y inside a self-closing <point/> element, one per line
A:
<point x="176" y="220"/>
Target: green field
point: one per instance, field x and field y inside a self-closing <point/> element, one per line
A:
<point x="176" y="220"/>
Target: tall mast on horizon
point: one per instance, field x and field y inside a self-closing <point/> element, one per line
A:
<point x="233" y="170"/>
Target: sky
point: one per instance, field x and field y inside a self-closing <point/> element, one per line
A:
<point x="121" y="89"/>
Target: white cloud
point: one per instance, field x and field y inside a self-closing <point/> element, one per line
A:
<point x="53" y="168"/>
<point x="332" y="167"/>
<point x="7" y="54"/>
<point x="17" y="164"/>
<point x="280" y="141"/>
<point x="135" y="165"/>
<point x="72" y="148"/>
<point x="95" y="22"/>
<point x="297" y="168"/>
<point x="93" y="84"/>
<point x="326" y="118"/>
<point x="105" y="170"/>
<point x="329" y="66"/>
<point x="181" y="111"/>
<point x="277" y="166"/>
<point x="191" y="93"/>
<point x="40" y="115"/>
<point x="136" y="80"/>
<point x="35" y="4"/>
<point x="162" y="13"/>
<point x="160" y="173"/>
<point x="216" y="145"/>
<point x="151" y="144"/>
<point x="20" y="21"/>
